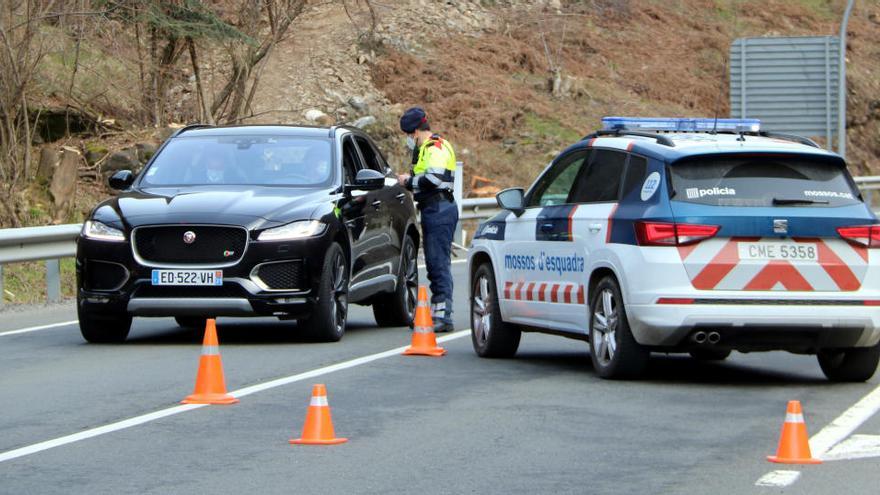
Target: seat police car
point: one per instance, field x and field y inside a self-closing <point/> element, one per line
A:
<point x="684" y="235"/>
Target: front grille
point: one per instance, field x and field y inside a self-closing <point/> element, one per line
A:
<point x="213" y="245"/>
<point x="285" y="275"/>
<point x="104" y="275"/>
<point x="178" y="292"/>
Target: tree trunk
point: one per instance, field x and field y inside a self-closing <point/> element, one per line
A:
<point x="203" y="101"/>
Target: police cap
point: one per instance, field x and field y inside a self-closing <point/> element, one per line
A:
<point x="412" y="119"/>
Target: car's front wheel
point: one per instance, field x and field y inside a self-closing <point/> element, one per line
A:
<point x="396" y="309"/>
<point x="105" y="328"/>
<point x="849" y="365"/>
<point x="327" y="321"/>
<point x="490" y="336"/>
<point x="613" y="349"/>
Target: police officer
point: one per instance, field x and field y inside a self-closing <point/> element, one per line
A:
<point x="431" y="181"/>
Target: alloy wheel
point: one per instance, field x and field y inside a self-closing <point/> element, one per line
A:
<point x="481" y="312"/>
<point x="604" y="331"/>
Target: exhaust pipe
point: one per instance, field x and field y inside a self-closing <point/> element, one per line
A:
<point x="713" y="337"/>
<point x="699" y="337"/>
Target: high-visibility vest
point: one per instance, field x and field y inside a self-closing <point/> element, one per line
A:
<point x="436" y="164"/>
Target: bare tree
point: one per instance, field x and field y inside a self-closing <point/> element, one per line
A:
<point x="21" y="49"/>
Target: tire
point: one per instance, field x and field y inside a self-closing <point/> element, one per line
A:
<point x="327" y="321"/>
<point x="613" y="349"/>
<point x="849" y="365"/>
<point x="195" y="323"/>
<point x="104" y="328"/>
<point x="490" y="335"/>
<point x="710" y="354"/>
<point x="396" y="309"/>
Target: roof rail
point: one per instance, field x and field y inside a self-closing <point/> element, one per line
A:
<point x="788" y="137"/>
<point x="661" y="139"/>
<point x="189" y="127"/>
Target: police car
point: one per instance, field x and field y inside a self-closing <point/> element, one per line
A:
<point x="684" y="235"/>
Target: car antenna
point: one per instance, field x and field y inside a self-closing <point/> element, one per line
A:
<point x="718" y="100"/>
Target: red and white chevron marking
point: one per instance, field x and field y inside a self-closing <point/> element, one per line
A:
<point x="562" y="293"/>
<point x="715" y="265"/>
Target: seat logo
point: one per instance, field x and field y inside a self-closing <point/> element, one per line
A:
<point x="780" y="226"/>
<point x="189" y="237"/>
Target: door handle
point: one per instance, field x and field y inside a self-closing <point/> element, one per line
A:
<point x="376" y="204"/>
<point x="547" y="227"/>
<point x="400" y="197"/>
<point x="595" y="227"/>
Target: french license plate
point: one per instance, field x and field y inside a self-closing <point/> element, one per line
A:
<point x="778" y="251"/>
<point x="187" y="277"/>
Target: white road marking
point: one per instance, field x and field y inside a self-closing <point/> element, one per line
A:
<point x="146" y="418"/>
<point x="41" y="327"/>
<point x="855" y="447"/>
<point x="778" y="478"/>
<point x="837" y="430"/>
<point x="845" y="424"/>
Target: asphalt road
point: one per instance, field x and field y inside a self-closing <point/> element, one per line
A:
<point x="541" y="422"/>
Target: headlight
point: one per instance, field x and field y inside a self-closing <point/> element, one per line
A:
<point x="295" y="230"/>
<point x="102" y="232"/>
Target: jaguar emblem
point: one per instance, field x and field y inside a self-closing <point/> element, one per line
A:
<point x="189" y="237"/>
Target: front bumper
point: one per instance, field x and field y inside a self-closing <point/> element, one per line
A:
<point x="746" y="327"/>
<point x="242" y="293"/>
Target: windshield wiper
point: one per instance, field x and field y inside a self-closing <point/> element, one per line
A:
<point x="794" y="201"/>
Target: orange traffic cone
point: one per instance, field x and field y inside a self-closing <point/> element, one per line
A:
<point x="210" y="384"/>
<point x="424" y="342"/>
<point x="318" y="429"/>
<point x="794" y="445"/>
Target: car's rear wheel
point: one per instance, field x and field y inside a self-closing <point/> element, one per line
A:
<point x="849" y="365"/>
<point x="327" y="321"/>
<point x="111" y="328"/>
<point x="710" y="354"/>
<point x="490" y="336"/>
<point x="396" y="309"/>
<point x="613" y="349"/>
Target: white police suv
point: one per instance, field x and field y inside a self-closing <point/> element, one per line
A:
<point x="684" y="235"/>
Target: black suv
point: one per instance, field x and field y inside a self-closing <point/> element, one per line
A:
<point x="292" y="222"/>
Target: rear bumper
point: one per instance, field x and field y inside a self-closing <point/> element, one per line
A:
<point x="757" y="327"/>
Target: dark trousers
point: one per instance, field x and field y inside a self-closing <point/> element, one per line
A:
<point x="438" y="226"/>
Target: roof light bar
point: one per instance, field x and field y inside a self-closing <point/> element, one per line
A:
<point x="673" y="124"/>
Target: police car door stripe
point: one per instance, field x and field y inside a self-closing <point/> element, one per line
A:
<point x="537" y="291"/>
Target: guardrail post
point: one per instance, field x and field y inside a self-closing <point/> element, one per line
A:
<point x="2" y="294"/>
<point x="457" y="193"/>
<point x="53" y="280"/>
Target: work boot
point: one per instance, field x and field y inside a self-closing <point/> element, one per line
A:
<point x="441" y="326"/>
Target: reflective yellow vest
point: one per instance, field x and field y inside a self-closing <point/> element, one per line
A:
<point x="435" y="167"/>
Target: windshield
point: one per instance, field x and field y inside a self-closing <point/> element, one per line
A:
<point x="762" y="181"/>
<point x="242" y="160"/>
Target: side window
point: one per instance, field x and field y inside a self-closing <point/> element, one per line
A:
<point x="371" y="156"/>
<point x="555" y="186"/>
<point x="351" y="162"/>
<point x="635" y="174"/>
<point x="601" y="179"/>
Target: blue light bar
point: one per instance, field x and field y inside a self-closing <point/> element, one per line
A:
<point x="672" y="124"/>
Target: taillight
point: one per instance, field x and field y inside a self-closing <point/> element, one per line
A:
<point x="863" y="235"/>
<point x="673" y="234"/>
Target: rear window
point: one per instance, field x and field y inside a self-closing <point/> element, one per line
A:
<point x="762" y="181"/>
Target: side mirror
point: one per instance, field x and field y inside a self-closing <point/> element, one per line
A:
<point x="121" y="180"/>
<point x="367" y="180"/>
<point x="512" y="199"/>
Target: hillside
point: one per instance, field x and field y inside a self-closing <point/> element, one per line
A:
<point x="509" y="82"/>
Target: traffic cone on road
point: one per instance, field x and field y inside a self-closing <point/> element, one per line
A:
<point x="424" y="342"/>
<point x="318" y="428"/>
<point x="794" y="444"/>
<point x="210" y="383"/>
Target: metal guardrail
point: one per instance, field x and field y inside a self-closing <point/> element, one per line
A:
<point x="54" y="242"/>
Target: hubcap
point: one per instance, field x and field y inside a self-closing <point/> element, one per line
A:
<point x="412" y="278"/>
<point x="481" y="310"/>
<point x="604" y="332"/>
<point x="339" y="285"/>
